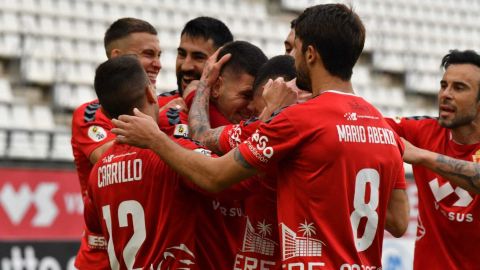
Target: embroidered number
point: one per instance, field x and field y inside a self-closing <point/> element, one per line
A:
<point x="130" y="251"/>
<point x="365" y="209"/>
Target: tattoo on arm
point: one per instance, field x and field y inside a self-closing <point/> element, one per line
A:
<point x="464" y="170"/>
<point x="240" y="159"/>
<point x="198" y="118"/>
<point x="211" y="140"/>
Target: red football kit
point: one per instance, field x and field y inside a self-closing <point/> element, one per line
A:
<point x="90" y="130"/>
<point x="145" y="210"/>
<point x="336" y="171"/>
<point x="448" y="216"/>
<point x="166" y="97"/>
<point x="259" y="240"/>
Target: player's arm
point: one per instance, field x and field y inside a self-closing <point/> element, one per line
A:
<point x="465" y="174"/>
<point x="211" y="174"/>
<point x="198" y="118"/>
<point x="397" y="213"/>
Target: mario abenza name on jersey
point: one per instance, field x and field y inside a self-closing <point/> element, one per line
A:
<point x="365" y="134"/>
<point x="119" y="172"/>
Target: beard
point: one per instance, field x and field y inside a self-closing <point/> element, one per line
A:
<point x="456" y="121"/>
<point x="303" y="79"/>
<point x="181" y="74"/>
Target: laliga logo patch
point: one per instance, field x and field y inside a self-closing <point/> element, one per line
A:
<point x="476" y="157"/>
<point x="181" y="130"/>
<point x="97" y="133"/>
<point x="351" y="116"/>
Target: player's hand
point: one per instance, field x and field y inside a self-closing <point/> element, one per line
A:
<point x="278" y="94"/>
<point x="139" y="129"/>
<point x="177" y="103"/>
<point x="212" y="68"/>
<point x="192" y="86"/>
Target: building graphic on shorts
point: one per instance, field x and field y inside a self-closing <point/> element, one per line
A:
<point x="296" y="246"/>
<point x="258" y="242"/>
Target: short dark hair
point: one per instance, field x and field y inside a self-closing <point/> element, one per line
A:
<point x="336" y="33"/>
<point x="293" y="23"/>
<point x="278" y="66"/>
<point x="460" y="57"/>
<point x="208" y="28"/>
<point x="120" y="84"/>
<point x="246" y="57"/>
<point x="124" y="27"/>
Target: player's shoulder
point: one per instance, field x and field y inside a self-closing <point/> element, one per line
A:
<point x="191" y="144"/>
<point x="87" y="112"/>
<point x="172" y="93"/>
<point x="417" y="120"/>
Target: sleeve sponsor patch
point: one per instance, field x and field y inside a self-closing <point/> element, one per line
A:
<point x="97" y="133"/>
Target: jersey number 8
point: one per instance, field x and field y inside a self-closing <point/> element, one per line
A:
<point x="365" y="209"/>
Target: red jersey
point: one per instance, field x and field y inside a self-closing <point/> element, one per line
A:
<point x="90" y="130"/>
<point x="336" y="172"/>
<point x="259" y="240"/>
<point x="448" y="216"/>
<point x="166" y="97"/>
<point x="147" y="213"/>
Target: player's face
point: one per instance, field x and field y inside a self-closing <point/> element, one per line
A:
<point x="147" y="48"/>
<point x="303" y="78"/>
<point x="192" y="53"/>
<point x="289" y="43"/>
<point x="458" y="95"/>
<point x="232" y="95"/>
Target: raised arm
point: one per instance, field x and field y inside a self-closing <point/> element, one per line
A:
<point x="198" y="117"/>
<point x="465" y="174"/>
<point x="211" y="174"/>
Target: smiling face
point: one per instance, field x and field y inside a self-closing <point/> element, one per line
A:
<point x="458" y="95"/>
<point x="232" y="94"/>
<point x="146" y="47"/>
<point x="192" y="53"/>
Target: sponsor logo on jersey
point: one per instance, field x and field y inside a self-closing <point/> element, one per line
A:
<point x="96" y="241"/>
<point x="97" y="133"/>
<point x="260" y="143"/>
<point x="440" y="192"/>
<point x="181" y="131"/>
<point x="203" y="151"/>
<point x="301" y="246"/>
<point x="180" y="255"/>
<point x="351" y="116"/>
<point x="256" y="242"/>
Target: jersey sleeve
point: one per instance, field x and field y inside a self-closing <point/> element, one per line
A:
<point x="233" y="135"/>
<point x="270" y="142"/>
<point x="93" y="232"/>
<point x="173" y="122"/>
<point x="90" y="129"/>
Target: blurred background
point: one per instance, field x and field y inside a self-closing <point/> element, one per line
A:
<point x="49" y="50"/>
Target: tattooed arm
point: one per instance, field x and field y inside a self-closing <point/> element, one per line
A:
<point x="465" y="174"/>
<point x="198" y="118"/>
<point x="211" y="174"/>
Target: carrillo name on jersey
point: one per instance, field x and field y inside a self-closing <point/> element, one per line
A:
<point x="365" y="134"/>
<point x="120" y="172"/>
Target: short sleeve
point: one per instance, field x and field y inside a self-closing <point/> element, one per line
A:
<point x="270" y="142"/>
<point x="90" y="129"/>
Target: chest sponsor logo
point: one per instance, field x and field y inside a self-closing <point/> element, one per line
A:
<point x="301" y="246"/>
<point x="440" y="192"/>
<point x="256" y="242"/>
<point x="228" y="212"/>
<point x="97" y="133"/>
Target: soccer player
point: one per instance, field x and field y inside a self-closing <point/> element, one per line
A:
<point x="146" y="211"/>
<point x="336" y="157"/>
<point x="448" y="210"/>
<point x="91" y="134"/>
<point x="199" y="39"/>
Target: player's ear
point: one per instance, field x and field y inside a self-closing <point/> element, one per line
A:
<point x="115" y="52"/>
<point x="217" y="87"/>
<point x="311" y="55"/>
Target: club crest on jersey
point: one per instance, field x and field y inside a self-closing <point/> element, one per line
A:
<point x="476" y="157"/>
<point x="97" y="133"/>
<point x="181" y="131"/>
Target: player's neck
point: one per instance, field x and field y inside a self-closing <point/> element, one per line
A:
<point x="325" y="83"/>
<point x="468" y="134"/>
